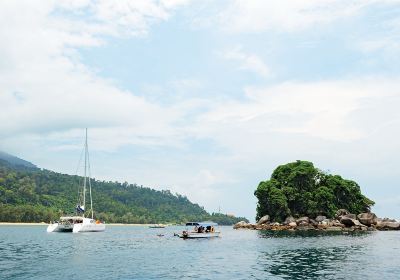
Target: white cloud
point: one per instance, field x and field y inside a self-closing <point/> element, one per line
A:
<point x="45" y="88"/>
<point x="285" y="15"/>
<point x="248" y="62"/>
<point x="324" y="110"/>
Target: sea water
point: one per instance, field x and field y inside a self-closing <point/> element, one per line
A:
<point x="138" y="252"/>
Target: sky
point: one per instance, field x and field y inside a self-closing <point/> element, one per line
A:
<point x="205" y="98"/>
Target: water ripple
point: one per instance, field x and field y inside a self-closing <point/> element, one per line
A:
<point x="138" y="253"/>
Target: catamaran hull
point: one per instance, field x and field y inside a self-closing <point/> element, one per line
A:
<point x="60" y="228"/>
<point x="76" y="224"/>
<point x="89" y="228"/>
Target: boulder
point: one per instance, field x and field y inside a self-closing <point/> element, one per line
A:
<point x="388" y="220"/>
<point x="336" y="223"/>
<point x="367" y="219"/>
<point x="305" y="227"/>
<point x="292" y="224"/>
<point x="251" y="226"/>
<point x="303" y="221"/>
<point x="351" y="216"/>
<point x="326" y="222"/>
<point x="384" y="225"/>
<point x="349" y="222"/>
<point x="241" y="224"/>
<point x="322" y="226"/>
<point x="289" y="220"/>
<point x="319" y="219"/>
<point x="263" y="227"/>
<point x="313" y="222"/>
<point x="263" y="220"/>
<point x="333" y="228"/>
<point x="340" y="213"/>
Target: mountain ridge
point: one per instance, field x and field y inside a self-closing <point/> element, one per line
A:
<point x="31" y="194"/>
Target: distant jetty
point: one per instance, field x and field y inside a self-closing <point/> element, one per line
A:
<point x="343" y="221"/>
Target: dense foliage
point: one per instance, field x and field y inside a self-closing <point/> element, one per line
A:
<point x="299" y="189"/>
<point x="35" y="195"/>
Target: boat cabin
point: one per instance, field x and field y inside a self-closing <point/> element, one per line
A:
<point x="71" y="220"/>
<point x="202" y="227"/>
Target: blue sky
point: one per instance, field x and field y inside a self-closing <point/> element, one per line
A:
<point x="205" y="98"/>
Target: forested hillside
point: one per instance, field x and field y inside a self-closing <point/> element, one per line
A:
<point x="29" y="194"/>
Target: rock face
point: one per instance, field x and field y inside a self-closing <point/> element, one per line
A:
<point x="313" y="222"/>
<point x="340" y="213"/>
<point x="241" y="224"/>
<point x="333" y="228"/>
<point x="387" y="225"/>
<point x="303" y="221"/>
<point x="319" y="219"/>
<point x="349" y="220"/>
<point x="351" y="216"/>
<point x="367" y="219"/>
<point x="263" y="220"/>
<point x="346" y="222"/>
<point x="289" y="220"/>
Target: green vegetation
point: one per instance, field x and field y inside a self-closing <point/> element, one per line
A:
<point x="29" y="194"/>
<point x="299" y="189"/>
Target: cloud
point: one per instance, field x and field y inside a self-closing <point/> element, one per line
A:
<point x="285" y="15"/>
<point x="248" y="62"/>
<point x="44" y="87"/>
<point x="327" y="110"/>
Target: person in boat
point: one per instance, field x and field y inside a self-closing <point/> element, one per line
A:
<point x="201" y="229"/>
<point x="196" y="229"/>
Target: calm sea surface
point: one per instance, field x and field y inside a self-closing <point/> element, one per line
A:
<point x="128" y="252"/>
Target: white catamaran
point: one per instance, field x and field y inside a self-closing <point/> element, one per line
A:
<point x="80" y="222"/>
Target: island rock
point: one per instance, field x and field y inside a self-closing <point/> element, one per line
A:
<point x="303" y="221"/>
<point x="340" y="213"/>
<point x="241" y="224"/>
<point x="319" y="219"/>
<point x="289" y="220"/>
<point x="368" y="219"/>
<point x="263" y="220"/>
<point x="349" y="221"/>
<point x="386" y="225"/>
<point x="292" y="224"/>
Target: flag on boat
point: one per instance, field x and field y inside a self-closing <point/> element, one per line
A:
<point x="80" y="208"/>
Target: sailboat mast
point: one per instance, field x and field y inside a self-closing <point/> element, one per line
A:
<point x="85" y="175"/>
<point x="90" y="184"/>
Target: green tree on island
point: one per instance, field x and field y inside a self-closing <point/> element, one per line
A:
<point x="299" y="189"/>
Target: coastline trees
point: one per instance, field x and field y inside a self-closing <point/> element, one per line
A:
<point x="35" y="195"/>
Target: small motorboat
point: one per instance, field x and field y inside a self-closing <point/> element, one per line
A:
<point x="157" y="226"/>
<point x="200" y="230"/>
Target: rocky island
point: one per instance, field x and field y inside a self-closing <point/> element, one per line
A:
<point x="299" y="196"/>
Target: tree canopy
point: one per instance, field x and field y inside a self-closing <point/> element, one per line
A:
<point x="299" y="189"/>
<point x="35" y="195"/>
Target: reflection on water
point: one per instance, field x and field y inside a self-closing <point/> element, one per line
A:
<point x="311" y="254"/>
<point x="306" y="263"/>
<point x="138" y="253"/>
